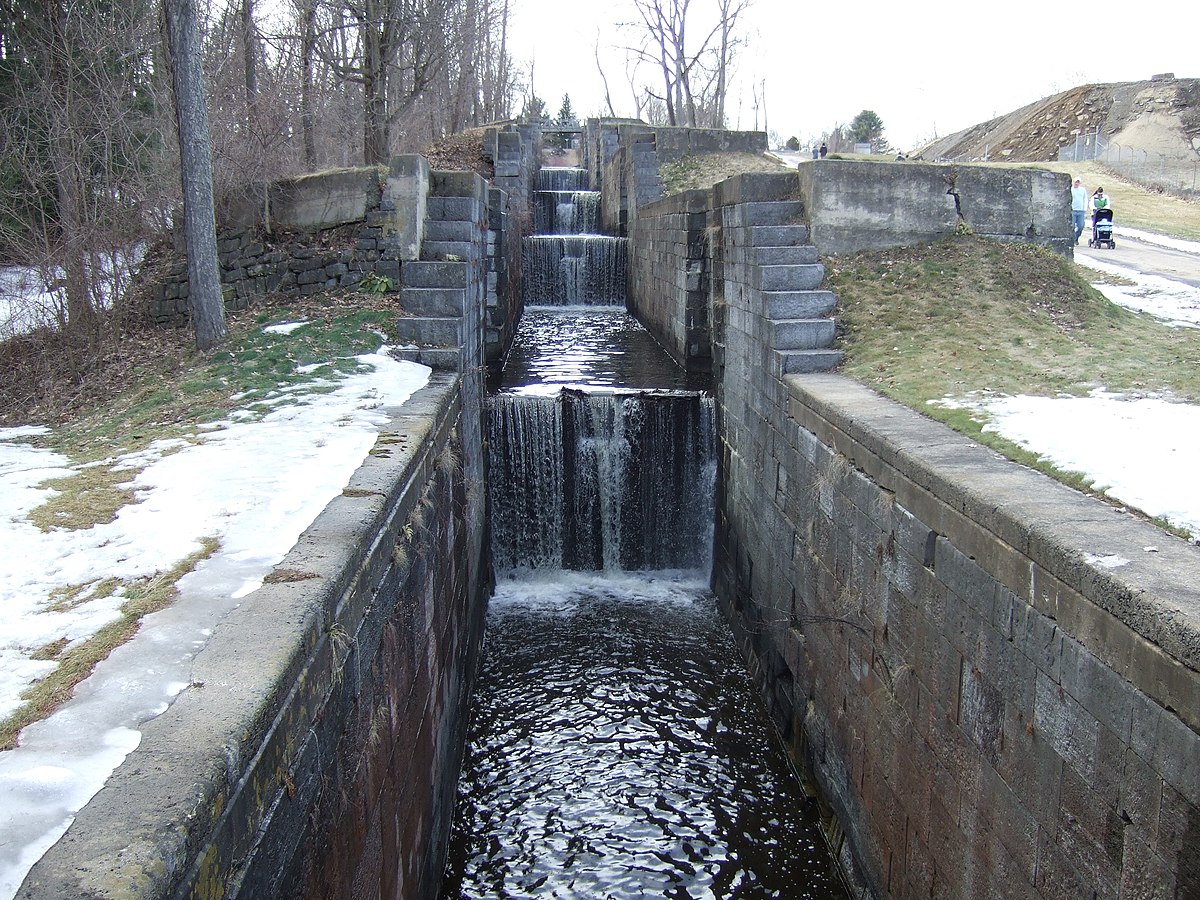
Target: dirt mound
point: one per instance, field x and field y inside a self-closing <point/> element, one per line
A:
<point x="1161" y="116"/>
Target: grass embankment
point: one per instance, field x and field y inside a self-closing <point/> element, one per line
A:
<point x="1133" y="205"/>
<point x="157" y="386"/>
<point x="966" y="315"/>
<point x="703" y="170"/>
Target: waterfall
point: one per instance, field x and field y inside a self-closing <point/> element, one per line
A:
<point x="562" y="178"/>
<point x="566" y="212"/>
<point x="601" y="482"/>
<point x="574" y="271"/>
<point x="567" y="262"/>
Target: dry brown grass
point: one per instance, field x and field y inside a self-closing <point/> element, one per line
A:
<point x="706" y="169"/>
<point x="93" y="495"/>
<point x="144" y="596"/>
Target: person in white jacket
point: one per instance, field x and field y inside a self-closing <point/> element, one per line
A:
<point x="1079" y="207"/>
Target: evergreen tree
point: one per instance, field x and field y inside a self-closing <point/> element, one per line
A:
<point x="866" y="128"/>
<point x="566" y="115"/>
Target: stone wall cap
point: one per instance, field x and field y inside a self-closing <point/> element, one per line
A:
<point x="1144" y="576"/>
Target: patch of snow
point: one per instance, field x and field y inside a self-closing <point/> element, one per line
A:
<point x="255" y="485"/>
<point x="1175" y="302"/>
<point x="284" y="327"/>
<point x="1138" y="451"/>
<point x="1160" y="240"/>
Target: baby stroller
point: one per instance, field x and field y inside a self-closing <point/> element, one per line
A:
<point x="1102" y="229"/>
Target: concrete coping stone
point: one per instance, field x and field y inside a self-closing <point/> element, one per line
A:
<point x="1096" y="549"/>
<point x="145" y="834"/>
<point x="694" y="200"/>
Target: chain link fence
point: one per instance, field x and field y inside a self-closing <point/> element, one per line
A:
<point x="1171" y="174"/>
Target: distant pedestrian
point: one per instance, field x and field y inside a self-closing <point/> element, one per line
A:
<point x="824" y="149"/>
<point x="1100" y="200"/>
<point x="1079" y="205"/>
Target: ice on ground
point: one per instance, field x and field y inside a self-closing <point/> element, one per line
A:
<point x="1138" y="451"/>
<point x="1175" y="302"/>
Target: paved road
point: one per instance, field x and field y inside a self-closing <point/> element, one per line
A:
<point x="1150" y="259"/>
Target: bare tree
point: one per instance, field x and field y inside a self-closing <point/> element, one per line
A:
<point x="603" y="77"/>
<point x="195" y="172"/>
<point x="694" y="77"/>
<point x="730" y="10"/>
<point x="79" y="146"/>
<point x="393" y="49"/>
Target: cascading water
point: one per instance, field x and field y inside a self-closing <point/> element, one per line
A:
<point x="569" y="263"/>
<point x="617" y="746"/>
<point x="567" y="212"/>
<point x="611" y="482"/>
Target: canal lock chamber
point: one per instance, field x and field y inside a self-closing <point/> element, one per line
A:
<point x="617" y="745"/>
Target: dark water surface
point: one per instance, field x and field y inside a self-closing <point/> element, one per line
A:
<point x="618" y="749"/>
<point x="589" y="348"/>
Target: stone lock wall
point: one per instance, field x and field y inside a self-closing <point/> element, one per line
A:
<point x="992" y="679"/>
<point x="317" y="752"/>
<point x="669" y="276"/>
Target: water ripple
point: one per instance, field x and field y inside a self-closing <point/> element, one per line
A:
<point x="618" y="750"/>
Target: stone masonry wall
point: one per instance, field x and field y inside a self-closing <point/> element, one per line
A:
<point x="317" y="751"/>
<point x="602" y="138"/>
<point x="631" y="182"/>
<point x="993" y="678"/>
<point x="312" y="234"/>
<point x="669" y="276"/>
<point x="417" y="232"/>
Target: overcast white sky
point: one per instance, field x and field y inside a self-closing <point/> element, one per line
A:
<point x="931" y="67"/>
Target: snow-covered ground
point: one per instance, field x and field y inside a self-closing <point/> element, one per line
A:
<point x="255" y="484"/>
<point x="25" y="303"/>
<point x="1160" y="240"/>
<point x="1175" y="302"/>
<point x="1136" y="450"/>
<point x="31" y="297"/>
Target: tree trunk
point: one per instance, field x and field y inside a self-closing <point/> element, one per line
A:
<point x="718" y="119"/>
<point x="375" y="113"/>
<point x="308" y="49"/>
<point x="250" y="51"/>
<point x="81" y="311"/>
<point x="195" y="171"/>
